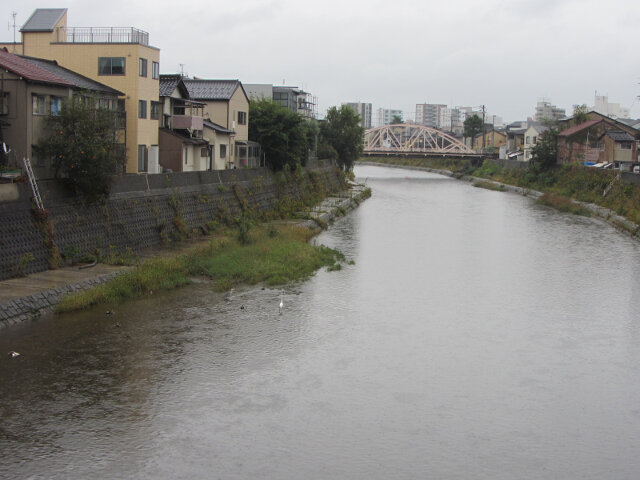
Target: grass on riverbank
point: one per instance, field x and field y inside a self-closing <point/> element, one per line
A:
<point x="571" y="181"/>
<point x="563" y="204"/>
<point x="271" y="255"/>
<point x="490" y="186"/>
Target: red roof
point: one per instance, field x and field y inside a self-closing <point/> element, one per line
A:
<point x="28" y="70"/>
<point x="578" y="128"/>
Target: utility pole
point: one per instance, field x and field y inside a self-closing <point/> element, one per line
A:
<point x="483" y="135"/>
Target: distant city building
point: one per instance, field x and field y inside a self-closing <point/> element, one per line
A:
<point x="293" y="98"/>
<point x="428" y="114"/>
<point x="547" y="111"/>
<point x="384" y="116"/>
<point x="612" y="110"/>
<point x="362" y="109"/>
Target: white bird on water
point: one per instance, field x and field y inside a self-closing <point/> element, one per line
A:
<point x="281" y="302"/>
<point x="228" y="295"/>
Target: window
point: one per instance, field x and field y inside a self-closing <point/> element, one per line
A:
<point x="39" y="105"/>
<point x="142" y="67"/>
<point x="186" y="155"/>
<point x="142" y="109"/>
<point x="242" y="118"/>
<point x="111" y="66"/>
<point x="56" y="103"/>
<point x="155" y="110"/>
<point x="155" y="70"/>
<point x="534" y="139"/>
<point x="204" y="152"/>
<point x="625" y="146"/>
<point x="223" y="151"/>
<point x="4" y="104"/>
<point x="142" y="158"/>
<point x="528" y="140"/>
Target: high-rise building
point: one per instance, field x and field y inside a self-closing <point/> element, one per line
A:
<point x="613" y="110"/>
<point x="546" y="111"/>
<point x="385" y="116"/>
<point x="428" y="114"/>
<point x="362" y="109"/>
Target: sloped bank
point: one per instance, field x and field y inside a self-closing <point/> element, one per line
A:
<point x="604" y="213"/>
<point x="313" y="220"/>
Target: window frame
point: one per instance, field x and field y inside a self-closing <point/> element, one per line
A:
<point x="142" y="149"/>
<point x="35" y="104"/>
<point x="242" y="118"/>
<point x="102" y="70"/>
<point x="155" y="110"/>
<point x="223" y="150"/>
<point x="143" y="67"/>
<point x="142" y="109"/>
<point x="155" y="70"/>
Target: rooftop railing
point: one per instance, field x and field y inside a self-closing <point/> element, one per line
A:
<point x="102" y="35"/>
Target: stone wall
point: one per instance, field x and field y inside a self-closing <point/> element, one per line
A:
<point x="142" y="211"/>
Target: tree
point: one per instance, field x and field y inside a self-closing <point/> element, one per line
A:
<point x="396" y="119"/>
<point x="82" y="145"/>
<point x="545" y="153"/>
<point x="580" y="114"/>
<point x="472" y="126"/>
<point x="341" y="131"/>
<point x="285" y="136"/>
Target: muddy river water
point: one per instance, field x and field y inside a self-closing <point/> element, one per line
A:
<point x="478" y="335"/>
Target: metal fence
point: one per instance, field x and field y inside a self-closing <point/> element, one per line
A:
<point x="102" y="35"/>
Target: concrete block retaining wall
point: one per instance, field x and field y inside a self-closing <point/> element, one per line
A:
<point x="142" y="211"/>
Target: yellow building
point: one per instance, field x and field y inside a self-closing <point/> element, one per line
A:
<point x="118" y="57"/>
<point x="492" y="139"/>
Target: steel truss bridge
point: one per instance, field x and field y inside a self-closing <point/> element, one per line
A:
<point x="409" y="139"/>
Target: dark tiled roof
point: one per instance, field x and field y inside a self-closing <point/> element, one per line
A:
<point x="79" y="81"/>
<point x="30" y="71"/>
<point x="43" y="20"/>
<point x="168" y="84"/>
<point x="216" y="127"/>
<point x="211" y="89"/>
<point x="618" y="136"/>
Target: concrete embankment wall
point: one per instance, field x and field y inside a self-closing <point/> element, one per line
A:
<point x="142" y="211"/>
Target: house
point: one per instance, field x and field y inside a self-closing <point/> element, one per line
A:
<point x="493" y="139"/>
<point x="118" y="57"/>
<point x="619" y="148"/>
<point x="600" y="139"/>
<point x="31" y="89"/>
<point x="531" y="136"/>
<point x="182" y="147"/>
<point x="515" y="140"/>
<point x="226" y="105"/>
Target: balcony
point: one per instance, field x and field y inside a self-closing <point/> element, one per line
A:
<point x="102" y="35"/>
<point x="188" y="122"/>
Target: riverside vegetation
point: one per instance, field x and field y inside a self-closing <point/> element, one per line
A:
<point x="247" y="249"/>
<point x="269" y="254"/>
<point x="559" y="184"/>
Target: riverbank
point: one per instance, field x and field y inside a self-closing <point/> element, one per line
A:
<point x="555" y="196"/>
<point x="27" y="298"/>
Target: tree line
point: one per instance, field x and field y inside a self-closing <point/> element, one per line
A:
<point x="289" y="139"/>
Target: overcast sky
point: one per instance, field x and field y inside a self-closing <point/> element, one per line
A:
<point x="505" y="54"/>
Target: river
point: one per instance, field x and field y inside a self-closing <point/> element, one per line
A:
<point x="478" y="335"/>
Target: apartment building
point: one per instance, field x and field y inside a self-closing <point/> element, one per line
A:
<point x="118" y="57"/>
<point x="546" y="111"/>
<point x="363" y="110"/>
<point x="385" y="116"/>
